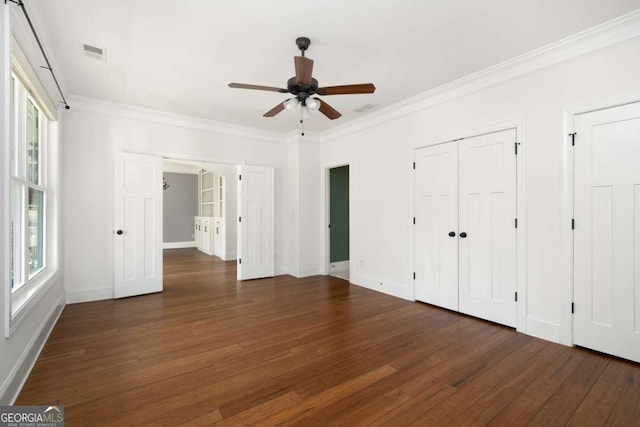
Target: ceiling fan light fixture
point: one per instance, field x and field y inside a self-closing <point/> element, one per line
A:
<point x="290" y="104"/>
<point x="304" y="112"/>
<point x="312" y="103"/>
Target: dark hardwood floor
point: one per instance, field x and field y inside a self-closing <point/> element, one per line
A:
<point x="313" y="351"/>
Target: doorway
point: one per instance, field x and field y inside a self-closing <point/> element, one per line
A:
<point x="338" y="198"/>
<point x="200" y="207"/>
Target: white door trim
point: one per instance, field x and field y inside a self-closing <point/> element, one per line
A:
<point x="521" y="244"/>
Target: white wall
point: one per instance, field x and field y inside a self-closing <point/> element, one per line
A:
<point x="380" y="152"/>
<point x="304" y="202"/>
<point x="94" y="131"/>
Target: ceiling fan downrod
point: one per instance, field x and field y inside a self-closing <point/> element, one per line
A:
<point x="303" y="44"/>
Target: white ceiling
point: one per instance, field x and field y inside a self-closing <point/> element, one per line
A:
<point x="178" y="56"/>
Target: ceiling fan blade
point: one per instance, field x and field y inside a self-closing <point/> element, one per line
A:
<point x="275" y="110"/>
<point x="347" y="89"/>
<point x="257" y="87"/>
<point x="304" y="69"/>
<point x="328" y="110"/>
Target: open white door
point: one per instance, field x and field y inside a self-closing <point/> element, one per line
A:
<point x="607" y="231"/>
<point x="137" y="225"/>
<point x="255" y="222"/>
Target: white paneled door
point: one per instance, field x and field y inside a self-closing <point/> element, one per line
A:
<point x="607" y="231"/>
<point x="465" y="235"/>
<point x="436" y="229"/>
<point x="487" y="251"/>
<point x="255" y="222"/>
<point x="137" y="225"/>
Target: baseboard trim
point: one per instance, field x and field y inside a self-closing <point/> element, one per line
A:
<point x="178" y="245"/>
<point x="338" y="266"/>
<point x="383" y="286"/>
<point x="227" y="256"/>
<point x="76" y="296"/>
<point x="542" y="328"/>
<point x="307" y="271"/>
<point x="20" y="372"/>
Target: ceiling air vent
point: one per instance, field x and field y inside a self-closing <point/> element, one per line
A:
<point x="364" y="108"/>
<point x="93" y="52"/>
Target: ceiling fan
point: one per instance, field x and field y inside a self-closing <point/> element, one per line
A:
<point x="303" y="86"/>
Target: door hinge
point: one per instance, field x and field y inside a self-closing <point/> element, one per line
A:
<point x="516" y="297"/>
<point x="573" y="138"/>
<point x="572" y="308"/>
<point x="239" y="260"/>
<point x="329" y="226"/>
<point x="414" y="220"/>
<point x="240" y="177"/>
<point x="414" y="275"/>
<point x="515" y="144"/>
<point x="239" y="219"/>
<point x="573" y="224"/>
<point x="516" y="222"/>
<point x="414" y="165"/>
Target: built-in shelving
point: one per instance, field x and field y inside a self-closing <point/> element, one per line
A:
<point x="209" y="224"/>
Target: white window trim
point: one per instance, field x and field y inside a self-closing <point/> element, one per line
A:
<point x="23" y="299"/>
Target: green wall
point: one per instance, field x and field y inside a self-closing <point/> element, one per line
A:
<point x="339" y="214"/>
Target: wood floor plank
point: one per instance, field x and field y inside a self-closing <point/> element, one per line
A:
<point x="560" y="407"/>
<point x="492" y="403"/>
<point x="314" y="351"/>
<point x="627" y="408"/>
<point x="320" y="401"/>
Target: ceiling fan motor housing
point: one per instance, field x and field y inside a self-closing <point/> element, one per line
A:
<point x="301" y="91"/>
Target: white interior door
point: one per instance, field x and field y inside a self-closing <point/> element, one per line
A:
<point x="607" y="231"/>
<point x="436" y="228"/>
<point x="487" y="251"/>
<point x="255" y="222"/>
<point x="138" y="225"/>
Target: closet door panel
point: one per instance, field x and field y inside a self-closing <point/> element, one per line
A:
<point x="436" y="198"/>
<point x="487" y="243"/>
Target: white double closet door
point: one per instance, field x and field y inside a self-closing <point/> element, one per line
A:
<point x="465" y="235"/>
<point x="607" y="231"/>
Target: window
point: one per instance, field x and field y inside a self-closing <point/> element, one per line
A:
<point x="28" y="187"/>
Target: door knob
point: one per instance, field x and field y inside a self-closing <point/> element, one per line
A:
<point x="463" y="234"/>
<point x="452" y="234"/>
<point x="118" y="232"/>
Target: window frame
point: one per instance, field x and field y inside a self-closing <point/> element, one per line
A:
<point x="30" y="283"/>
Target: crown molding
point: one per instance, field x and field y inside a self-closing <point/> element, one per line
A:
<point x="95" y="105"/>
<point x="607" y="35"/>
